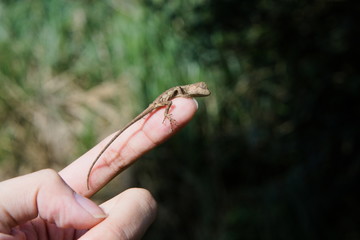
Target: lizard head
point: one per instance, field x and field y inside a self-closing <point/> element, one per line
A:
<point x="199" y="89"/>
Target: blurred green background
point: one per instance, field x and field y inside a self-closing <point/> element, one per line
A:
<point x="273" y="153"/>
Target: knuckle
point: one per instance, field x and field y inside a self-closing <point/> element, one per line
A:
<point x="50" y="177"/>
<point x="49" y="174"/>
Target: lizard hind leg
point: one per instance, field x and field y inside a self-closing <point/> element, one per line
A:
<point x="167" y="115"/>
<point x="171" y="120"/>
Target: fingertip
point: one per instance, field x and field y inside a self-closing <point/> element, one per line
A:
<point x="130" y="215"/>
<point x="184" y="109"/>
<point x="90" y="207"/>
<point x="145" y="200"/>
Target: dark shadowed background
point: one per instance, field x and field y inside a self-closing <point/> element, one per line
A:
<point x="273" y="153"/>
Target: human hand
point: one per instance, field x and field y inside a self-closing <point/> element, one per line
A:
<point x="47" y="204"/>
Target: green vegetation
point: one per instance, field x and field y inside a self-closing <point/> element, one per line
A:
<point x="64" y="62"/>
<point x="272" y="154"/>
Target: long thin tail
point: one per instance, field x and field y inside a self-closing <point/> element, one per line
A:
<point x="98" y="156"/>
<point x="138" y="117"/>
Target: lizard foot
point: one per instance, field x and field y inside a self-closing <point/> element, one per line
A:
<point x="171" y="120"/>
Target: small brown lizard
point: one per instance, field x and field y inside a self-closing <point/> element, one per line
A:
<point x="199" y="89"/>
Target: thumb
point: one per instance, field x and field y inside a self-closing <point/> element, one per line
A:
<point x="46" y="195"/>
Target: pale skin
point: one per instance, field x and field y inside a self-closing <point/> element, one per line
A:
<point x="198" y="89"/>
<point x="40" y="205"/>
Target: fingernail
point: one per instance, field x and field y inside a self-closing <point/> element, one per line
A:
<point x="90" y="206"/>
<point x="196" y="102"/>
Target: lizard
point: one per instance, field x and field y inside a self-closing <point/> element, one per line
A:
<point x="198" y="89"/>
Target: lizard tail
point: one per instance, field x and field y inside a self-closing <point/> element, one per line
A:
<point x="97" y="158"/>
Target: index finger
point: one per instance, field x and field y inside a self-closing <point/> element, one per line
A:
<point x="139" y="138"/>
